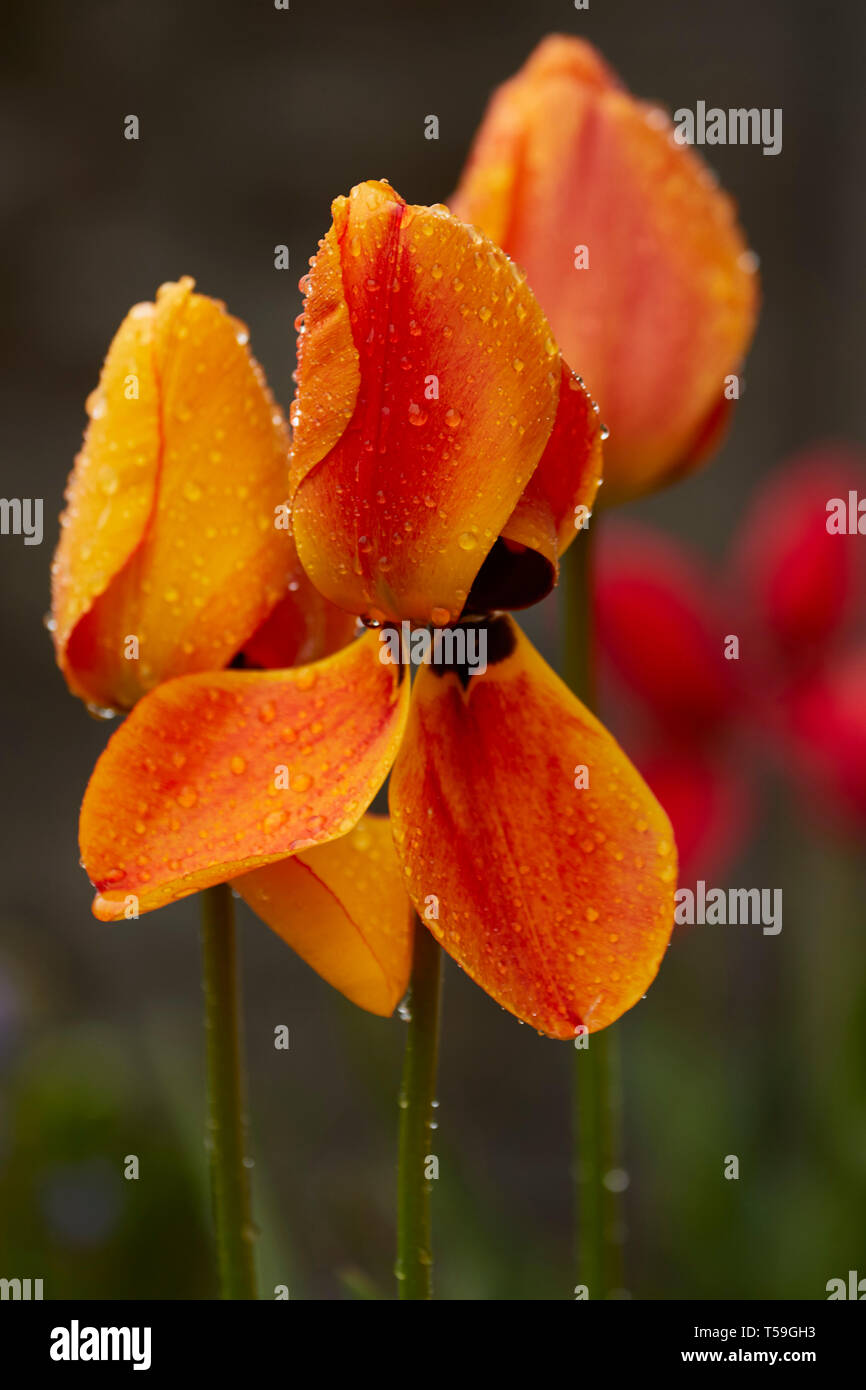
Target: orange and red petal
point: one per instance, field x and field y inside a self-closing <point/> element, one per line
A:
<point x="303" y="627"/>
<point x="556" y="898"/>
<point x="523" y="566"/>
<point x="169" y="537"/>
<point x="343" y="908"/>
<point x="660" y="628"/>
<point x="428" y="385"/>
<point x="214" y="774"/>
<point x="110" y="497"/>
<point x="660" y="307"/>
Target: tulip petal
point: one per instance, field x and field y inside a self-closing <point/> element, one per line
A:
<point x="304" y="627"/>
<point x="344" y="909"/>
<point x="214" y="774"/>
<point x="800" y="582"/>
<point x="826" y="739"/>
<point x="429" y="334"/>
<point x="557" y="899"/>
<point x="169" y="533"/>
<point x="110" y="495"/>
<point x="567" y="166"/>
<point x="523" y="565"/>
<point x="712" y="805"/>
<point x="659" y="626"/>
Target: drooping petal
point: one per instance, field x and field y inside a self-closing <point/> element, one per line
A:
<point x="428" y="387"/>
<point x="631" y="248"/>
<point x="660" y="627"/>
<point x="802" y="580"/>
<point x="344" y="909"/>
<point x="169" y="536"/>
<point x="557" y="898"/>
<point x="214" y="774"/>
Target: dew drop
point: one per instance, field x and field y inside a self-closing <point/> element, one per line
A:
<point x="100" y="712"/>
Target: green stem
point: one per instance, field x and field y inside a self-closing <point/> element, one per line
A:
<point x="226" y="1122"/>
<point x="417" y="1098"/>
<point x="597" y="1069"/>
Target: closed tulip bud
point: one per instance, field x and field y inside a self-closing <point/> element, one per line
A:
<point x="632" y="249"/>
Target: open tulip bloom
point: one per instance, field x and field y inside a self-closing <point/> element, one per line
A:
<point x="520" y="832"/>
<point x="444" y="457"/>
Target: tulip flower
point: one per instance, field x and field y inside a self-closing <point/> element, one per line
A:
<point x="441" y="448"/>
<point x="176" y="556"/>
<point x="632" y="249"/>
<point x="789" y="593"/>
<point x="172" y="554"/>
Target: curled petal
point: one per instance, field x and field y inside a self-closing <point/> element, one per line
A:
<point x="523" y="565"/>
<point x="169" y="557"/>
<point x="214" y="774"/>
<point x="532" y="847"/>
<point x="631" y="248"/>
<point x="659" y="627"/>
<point x="304" y="627"/>
<point x="344" y="909"/>
<point x="428" y="386"/>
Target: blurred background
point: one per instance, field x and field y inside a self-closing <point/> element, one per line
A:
<point x="252" y="120"/>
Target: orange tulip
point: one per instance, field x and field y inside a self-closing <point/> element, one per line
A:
<point x="631" y="248"/>
<point x="441" y="443"/>
<point x="171" y="552"/>
<point x="525" y="839"/>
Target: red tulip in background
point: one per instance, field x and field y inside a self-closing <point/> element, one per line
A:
<point x="790" y="591"/>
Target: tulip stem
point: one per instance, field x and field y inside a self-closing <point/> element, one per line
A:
<point x="414" y="1268"/>
<point x="596" y="1079"/>
<point x="230" y="1188"/>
